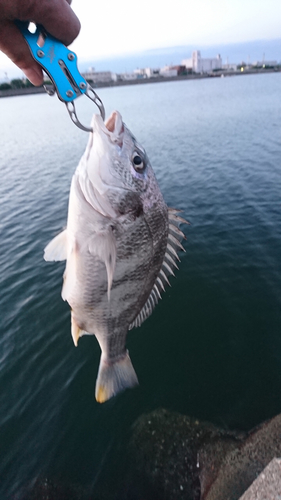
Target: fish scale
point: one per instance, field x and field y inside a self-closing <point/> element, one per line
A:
<point x="120" y="246"/>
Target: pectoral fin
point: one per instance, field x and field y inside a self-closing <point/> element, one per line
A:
<point x="57" y="248"/>
<point x="103" y="245"/>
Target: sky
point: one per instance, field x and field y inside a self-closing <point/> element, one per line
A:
<point x="111" y="28"/>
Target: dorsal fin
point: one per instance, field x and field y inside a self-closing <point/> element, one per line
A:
<point x="169" y="261"/>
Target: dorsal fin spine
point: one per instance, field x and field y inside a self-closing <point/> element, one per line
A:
<point x="175" y="241"/>
<point x="155" y="287"/>
<point x="168" y="268"/>
<point x="165" y="277"/>
<point x="174" y="229"/>
<point x="171" y="259"/>
<point x="177" y="218"/>
<point x="171" y="249"/>
<point x="154" y="295"/>
<point x="160" y="283"/>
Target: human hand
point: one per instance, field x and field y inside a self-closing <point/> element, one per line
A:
<point x="56" y="16"/>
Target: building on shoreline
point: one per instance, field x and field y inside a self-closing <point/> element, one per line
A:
<point x="168" y="71"/>
<point x="229" y="66"/>
<point x="147" y="72"/>
<point x="125" y="77"/>
<point x="264" y="64"/>
<point x="99" y="76"/>
<point x="198" y="64"/>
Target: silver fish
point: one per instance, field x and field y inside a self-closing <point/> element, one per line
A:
<point x="120" y="246"/>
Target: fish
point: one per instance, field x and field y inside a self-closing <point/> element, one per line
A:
<point x="120" y="244"/>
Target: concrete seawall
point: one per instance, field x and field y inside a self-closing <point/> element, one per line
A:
<point x="40" y="90"/>
<point x="25" y="91"/>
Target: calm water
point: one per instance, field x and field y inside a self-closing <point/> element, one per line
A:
<point x="212" y="348"/>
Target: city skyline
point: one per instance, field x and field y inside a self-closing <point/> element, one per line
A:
<point x="248" y="53"/>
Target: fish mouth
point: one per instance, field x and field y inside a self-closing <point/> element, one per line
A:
<point x="113" y="128"/>
<point x="98" y="177"/>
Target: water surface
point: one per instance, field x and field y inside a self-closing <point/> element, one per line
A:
<point x="212" y="348"/>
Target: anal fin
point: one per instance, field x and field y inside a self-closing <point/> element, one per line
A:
<point x="76" y="332"/>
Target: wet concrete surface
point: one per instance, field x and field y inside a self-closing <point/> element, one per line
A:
<point x="176" y="457"/>
<point x="267" y="486"/>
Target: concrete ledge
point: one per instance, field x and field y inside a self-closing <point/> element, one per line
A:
<point x="267" y="486"/>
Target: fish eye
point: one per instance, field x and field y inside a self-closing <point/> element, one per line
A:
<point x="138" y="162"/>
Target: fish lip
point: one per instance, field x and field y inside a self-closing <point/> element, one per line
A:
<point x="112" y="120"/>
<point x="113" y="127"/>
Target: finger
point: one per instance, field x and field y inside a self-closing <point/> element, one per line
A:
<point x="58" y="19"/>
<point x="15" y="47"/>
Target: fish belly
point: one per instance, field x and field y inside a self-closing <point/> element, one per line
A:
<point x="108" y="318"/>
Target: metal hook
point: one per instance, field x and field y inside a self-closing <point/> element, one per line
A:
<point x="60" y="64"/>
<point x="72" y="111"/>
<point x="95" y="98"/>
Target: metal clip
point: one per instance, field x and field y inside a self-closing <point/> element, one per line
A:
<point x="60" y="64"/>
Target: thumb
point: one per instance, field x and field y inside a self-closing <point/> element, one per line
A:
<point x="13" y="44"/>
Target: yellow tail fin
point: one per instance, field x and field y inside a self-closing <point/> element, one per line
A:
<point x="114" y="377"/>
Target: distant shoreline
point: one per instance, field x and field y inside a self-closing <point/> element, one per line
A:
<point x="218" y="74"/>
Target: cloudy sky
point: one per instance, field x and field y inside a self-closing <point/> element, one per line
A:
<point x="113" y="27"/>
